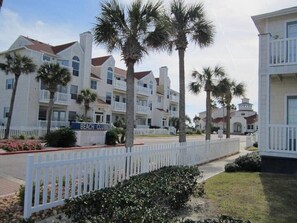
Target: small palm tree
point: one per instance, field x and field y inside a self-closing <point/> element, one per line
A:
<point x="206" y="79"/>
<point x="15" y="64"/>
<point x="86" y="97"/>
<point x="225" y="91"/>
<point x="187" y="22"/>
<point x="133" y="30"/>
<point x="52" y="75"/>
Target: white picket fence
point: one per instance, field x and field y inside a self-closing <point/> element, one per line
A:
<point x="25" y="131"/>
<point x="251" y="139"/>
<point x="53" y="177"/>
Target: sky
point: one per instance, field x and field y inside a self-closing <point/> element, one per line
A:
<point x="235" y="47"/>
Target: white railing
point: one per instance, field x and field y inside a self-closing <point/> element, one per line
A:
<point x="142" y="109"/>
<point x="138" y="126"/>
<point x="282" y="139"/>
<point x="251" y="139"/>
<point x="52" y="178"/>
<point x="54" y="124"/>
<point x="60" y="98"/>
<point x="143" y="90"/>
<point x="283" y="51"/>
<point x="173" y="113"/>
<point x="174" y="98"/>
<point x="122" y="85"/>
<point x="147" y="131"/>
<point x="24" y="131"/>
<point x="119" y="106"/>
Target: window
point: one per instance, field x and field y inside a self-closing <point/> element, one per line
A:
<point x="107" y="118"/>
<point x="62" y="89"/>
<point x="93" y="84"/>
<point x="292" y="110"/>
<point x="42" y="114"/>
<point x="109" y="75"/>
<point x="250" y="127"/>
<point x="59" y="116"/>
<point x="151" y="105"/>
<point x="5" y="112"/>
<point x="46" y="57"/>
<point x="117" y="98"/>
<point x="151" y="86"/>
<point x="159" y="99"/>
<point x="43" y="86"/>
<point x="9" y="83"/>
<point x="73" y="91"/>
<point x="64" y="62"/>
<point x="75" y="66"/>
<point x="72" y="116"/>
<point x="124" y="100"/>
<point x="108" y="98"/>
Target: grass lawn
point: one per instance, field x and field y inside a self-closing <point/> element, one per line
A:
<point x="269" y="198"/>
<point x="252" y="148"/>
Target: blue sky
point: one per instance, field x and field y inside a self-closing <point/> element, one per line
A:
<point x="235" y="47"/>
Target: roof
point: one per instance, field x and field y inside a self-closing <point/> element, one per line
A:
<point x="140" y="75"/>
<point x="98" y="61"/>
<point x="44" y="47"/>
<point x="120" y="71"/>
<point x="101" y="102"/>
<point x="275" y="13"/>
<point x="220" y="119"/>
<point x="252" y="119"/>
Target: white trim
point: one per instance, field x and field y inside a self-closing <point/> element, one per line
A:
<point x="279" y="154"/>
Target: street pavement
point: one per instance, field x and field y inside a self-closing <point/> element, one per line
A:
<point x="13" y="167"/>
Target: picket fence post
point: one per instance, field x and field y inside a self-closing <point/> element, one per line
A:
<point x="28" y="187"/>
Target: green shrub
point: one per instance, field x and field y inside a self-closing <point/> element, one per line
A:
<point x="231" y="167"/>
<point x="64" y="137"/>
<point x="221" y="219"/>
<point x="149" y="197"/>
<point x="250" y="162"/>
<point x="111" y="137"/>
<point x="198" y="132"/>
<point x="255" y="144"/>
<point x="22" y="137"/>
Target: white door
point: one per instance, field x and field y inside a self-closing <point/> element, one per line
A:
<point x="292" y="41"/>
<point x="292" y="122"/>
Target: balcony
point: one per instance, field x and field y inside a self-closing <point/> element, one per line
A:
<point x="283" y="51"/>
<point x="54" y="124"/>
<point x="282" y="140"/>
<point x="120" y="85"/>
<point x="173" y="113"/>
<point x="174" y="98"/>
<point x="119" y="106"/>
<point x="60" y="98"/>
<point x="142" y="109"/>
<point x="143" y="90"/>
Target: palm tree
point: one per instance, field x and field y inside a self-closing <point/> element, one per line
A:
<point x="206" y="80"/>
<point x="187" y="22"/>
<point x="86" y="96"/>
<point x="52" y="75"/>
<point x="17" y="65"/>
<point x="225" y="91"/>
<point x="133" y="30"/>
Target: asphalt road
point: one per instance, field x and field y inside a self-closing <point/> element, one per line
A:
<point x="14" y="166"/>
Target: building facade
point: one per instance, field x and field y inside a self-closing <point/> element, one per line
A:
<point x="155" y="101"/>
<point x="278" y="89"/>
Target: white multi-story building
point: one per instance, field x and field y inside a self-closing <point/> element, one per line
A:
<point x="155" y="101"/>
<point x="278" y="89"/>
<point x="243" y="121"/>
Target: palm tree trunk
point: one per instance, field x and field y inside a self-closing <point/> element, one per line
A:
<point x="130" y="105"/>
<point x="7" y="130"/>
<point x="49" y="112"/>
<point x="228" y="121"/>
<point x="208" y="116"/>
<point x="182" y="101"/>
<point x="86" y="111"/>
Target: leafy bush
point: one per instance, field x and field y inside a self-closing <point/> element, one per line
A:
<point x="20" y="145"/>
<point x="250" y="162"/>
<point x="198" y="132"/>
<point x="221" y="219"/>
<point x="64" y="137"/>
<point x="231" y="167"/>
<point x="255" y="144"/>
<point x="149" y="197"/>
<point x="114" y="136"/>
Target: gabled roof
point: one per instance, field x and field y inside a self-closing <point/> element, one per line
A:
<point x="120" y="71"/>
<point x="98" y="61"/>
<point x="140" y="75"/>
<point x="251" y="119"/>
<point x="44" y="47"/>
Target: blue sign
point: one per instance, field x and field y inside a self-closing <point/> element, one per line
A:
<point x="87" y="126"/>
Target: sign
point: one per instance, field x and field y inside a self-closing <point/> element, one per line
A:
<point x="88" y="126"/>
<point x="220" y="133"/>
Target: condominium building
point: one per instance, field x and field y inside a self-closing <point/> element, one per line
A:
<point x="155" y="101"/>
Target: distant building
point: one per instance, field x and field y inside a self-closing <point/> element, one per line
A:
<point x="155" y="101"/>
<point x="243" y="121"/>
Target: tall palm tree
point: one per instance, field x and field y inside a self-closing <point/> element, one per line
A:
<point x="52" y="75"/>
<point x="86" y="97"/>
<point x="187" y="23"/>
<point x="133" y="30"/>
<point x="206" y="79"/>
<point x="225" y="91"/>
<point x="17" y="65"/>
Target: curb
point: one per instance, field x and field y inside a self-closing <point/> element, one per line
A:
<point x="59" y="149"/>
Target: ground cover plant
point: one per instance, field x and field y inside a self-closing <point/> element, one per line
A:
<point x="64" y="137"/>
<point x="150" y="197"/>
<point x="269" y="198"/>
<point x="250" y="162"/>
<point x="13" y="145"/>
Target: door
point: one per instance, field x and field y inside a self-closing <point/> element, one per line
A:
<point x="292" y="122"/>
<point x="292" y="42"/>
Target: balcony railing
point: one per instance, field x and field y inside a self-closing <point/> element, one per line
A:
<point x="54" y="124"/>
<point x="119" y="106"/>
<point x="142" y="109"/>
<point x="121" y="85"/>
<point x="143" y="90"/>
<point x="173" y="113"/>
<point x="283" y="51"/>
<point x="174" y="98"/>
<point x="282" y="139"/>
<point x="60" y="98"/>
